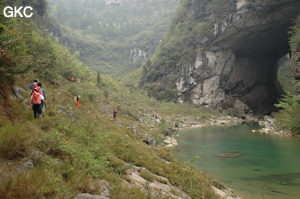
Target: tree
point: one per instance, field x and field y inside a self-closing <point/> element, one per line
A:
<point x="98" y="80"/>
<point x="41" y="7"/>
<point x="289" y="117"/>
<point x="14" y="55"/>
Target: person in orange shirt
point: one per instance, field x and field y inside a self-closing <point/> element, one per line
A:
<point x="36" y="100"/>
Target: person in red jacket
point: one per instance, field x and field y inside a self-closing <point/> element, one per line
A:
<point x="115" y="114"/>
<point x="78" y="101"/>
<point x="36" y="101"/>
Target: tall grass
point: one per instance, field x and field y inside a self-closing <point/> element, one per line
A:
<point x="16" y="141"/>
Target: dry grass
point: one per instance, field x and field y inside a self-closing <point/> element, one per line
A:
<point x="16" y="141"/>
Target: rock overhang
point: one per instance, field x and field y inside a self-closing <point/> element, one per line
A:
<point x="256" y="35"/>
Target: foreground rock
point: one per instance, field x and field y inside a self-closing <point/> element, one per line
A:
<point x="157" y="186"/>
<point x="99" y="188"/>
<point x="269" y="127"/>
<point x="170" y="141"/>
<point x="225" y="193"/>
<point x="89" y="196"/>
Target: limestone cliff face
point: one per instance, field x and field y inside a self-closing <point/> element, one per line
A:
<point x="139" y="55"/>
<point x="238" y="61"/>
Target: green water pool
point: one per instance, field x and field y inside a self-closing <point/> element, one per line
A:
<point x="256" y="166"/>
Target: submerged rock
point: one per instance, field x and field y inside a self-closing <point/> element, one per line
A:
<point x="230" y="154"/>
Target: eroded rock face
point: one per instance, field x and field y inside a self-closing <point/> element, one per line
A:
<point x="240" y="62"/>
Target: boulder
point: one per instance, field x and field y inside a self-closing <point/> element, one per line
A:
<point x="150" y="140"/>
<point x="136" y="131"/>
<point x="18" y="92"/>
<point x="239" y="105"/>
<point x="26" y="165"/>
<point x="104" y="188"/>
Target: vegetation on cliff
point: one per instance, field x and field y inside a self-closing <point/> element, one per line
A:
<point x="289" y="117"/>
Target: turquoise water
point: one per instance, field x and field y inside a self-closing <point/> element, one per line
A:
<point x="255" y="165"/>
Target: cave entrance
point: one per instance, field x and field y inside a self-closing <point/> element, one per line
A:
<point x="256" y="66"/>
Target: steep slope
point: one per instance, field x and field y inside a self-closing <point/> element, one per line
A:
<point x="223" y="54"/>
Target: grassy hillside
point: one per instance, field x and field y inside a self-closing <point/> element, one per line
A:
<point x="70" y="149"/>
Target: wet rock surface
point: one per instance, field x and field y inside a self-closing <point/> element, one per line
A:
<point x="229" y="154"/>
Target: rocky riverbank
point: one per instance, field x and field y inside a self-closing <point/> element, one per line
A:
<point x="266" y="122"/>
<point x="217" y="121"/>
<point x="269" y="127"/>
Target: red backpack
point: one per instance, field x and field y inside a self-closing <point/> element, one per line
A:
<point x="39" y="90"/>
<point x="36" y="98"/>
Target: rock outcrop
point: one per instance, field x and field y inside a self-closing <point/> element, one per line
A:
<point x="139" y="55"/>
<point x="238" y="61"/>
<point x="158" y="186"/>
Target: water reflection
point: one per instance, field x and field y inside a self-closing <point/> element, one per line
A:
<point x="255" y="165"/>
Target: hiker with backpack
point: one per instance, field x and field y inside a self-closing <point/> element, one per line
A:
<point x="78" y="101"/>
<point x="42" y="92"/>
<point x="115" y="114"/>
<point x="73" y="79"/>
<point x="36" y="101"/>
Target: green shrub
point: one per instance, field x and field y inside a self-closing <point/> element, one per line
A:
<point x="295" y="38"/>
<point x="289" y="117"/>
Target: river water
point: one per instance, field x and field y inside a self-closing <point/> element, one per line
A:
<point x="256" y="166"/>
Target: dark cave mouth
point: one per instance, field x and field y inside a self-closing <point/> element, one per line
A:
<point x="257" y="65"/>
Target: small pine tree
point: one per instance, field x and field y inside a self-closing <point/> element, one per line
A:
<point x="99" y="80"/>
<point x="288" y="117"/>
